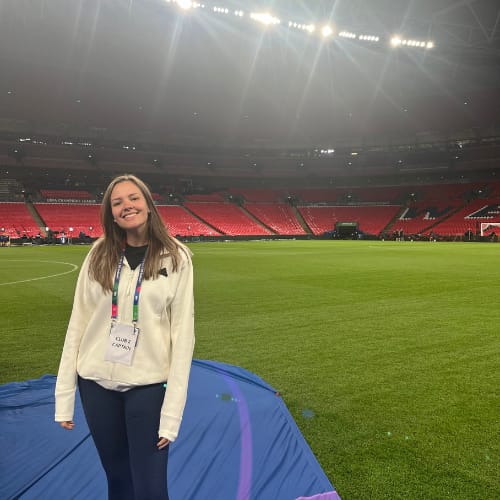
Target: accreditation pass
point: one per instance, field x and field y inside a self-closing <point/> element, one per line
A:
<point x="121" y="343"/>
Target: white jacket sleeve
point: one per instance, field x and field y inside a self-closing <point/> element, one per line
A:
<point x="67" y="374"/>
<point x="182" y="346"/>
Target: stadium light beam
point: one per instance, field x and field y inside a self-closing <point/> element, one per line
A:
<point x="186" y="4"/>
<point x="326" y="31"/>
<point x="264" y="18"/>
<point x="300" y="26"/>
<point x="268" y="19"/>
<point x="368" y="38"/>
<point x="397" y="41"/>
<point x="347" y="34"/>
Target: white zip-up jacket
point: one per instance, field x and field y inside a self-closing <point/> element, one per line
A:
<point x="165" y="343"/>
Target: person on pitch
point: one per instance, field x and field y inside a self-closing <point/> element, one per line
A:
<point x="129" y="343"/>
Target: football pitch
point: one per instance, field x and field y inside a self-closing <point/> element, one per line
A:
<point x="386" y="353"/>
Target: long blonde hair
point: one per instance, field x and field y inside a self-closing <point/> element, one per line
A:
<point x="107" y="250"/>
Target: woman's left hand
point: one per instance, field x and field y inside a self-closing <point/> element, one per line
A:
<point x="162" y="443"/>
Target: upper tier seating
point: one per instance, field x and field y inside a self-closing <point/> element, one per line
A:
<point x="227" y="218"/>
<point x="17" y="221"/>
<point x="278" y="216"/>
<point x="180" y="222"/>
<point x="63" y="216"/>
<point x="371" y="220"/>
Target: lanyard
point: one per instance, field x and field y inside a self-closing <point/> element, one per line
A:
<point x="114" y="298"/>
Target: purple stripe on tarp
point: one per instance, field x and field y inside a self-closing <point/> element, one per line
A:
<point x="330" y="495"/>
<point x="245" y="481"/>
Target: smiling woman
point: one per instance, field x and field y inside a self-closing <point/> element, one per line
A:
<point x="130" y="211"/>
<point x="119" y="378"/>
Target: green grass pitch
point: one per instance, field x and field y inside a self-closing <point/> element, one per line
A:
<point x="387" y="354"/>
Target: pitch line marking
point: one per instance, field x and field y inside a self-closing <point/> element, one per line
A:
<point x="73" y="266"/>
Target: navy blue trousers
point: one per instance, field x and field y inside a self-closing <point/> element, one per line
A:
<point x="124" y="427"/>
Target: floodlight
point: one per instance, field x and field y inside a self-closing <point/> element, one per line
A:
<point x="369" y="38"/>
<point x="304" y="27"/>
<point x="430" y="45"/>
<point x="396" y="41"/>
<point x="326" y="31"/>
<point x="347" y="34"/>
<point x="264" y="18"/>
<point x="185" y="4"/>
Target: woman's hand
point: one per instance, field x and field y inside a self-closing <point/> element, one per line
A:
<point x="68" y="425"/>
<point x="162" y="443"/>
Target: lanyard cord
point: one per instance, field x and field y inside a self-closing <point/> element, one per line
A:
<point x="114" y="297"/>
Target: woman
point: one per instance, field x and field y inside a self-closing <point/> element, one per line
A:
<point x="129" y="343"/>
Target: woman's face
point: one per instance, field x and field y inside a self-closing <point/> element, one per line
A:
<point x="129" y="207"/>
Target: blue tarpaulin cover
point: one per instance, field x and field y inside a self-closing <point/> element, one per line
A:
<point x="237" y="442"/>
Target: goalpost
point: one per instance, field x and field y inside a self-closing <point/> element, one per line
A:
<point x="488" y="225"/>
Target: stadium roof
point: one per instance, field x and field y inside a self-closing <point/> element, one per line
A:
<point x="156" y="72"/>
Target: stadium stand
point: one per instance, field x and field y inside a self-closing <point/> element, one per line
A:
<point x="445" y="210"/>
<point x="419" y="217"/>
<point x="61" y="217"/>
<point x="470" y="218"/>
<point x="227" y="218"/>
<point x="180" y="222"/>
<point x="370" y="219"/>
<point x="17" y="221"/>
<point x="278" y="216"/>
